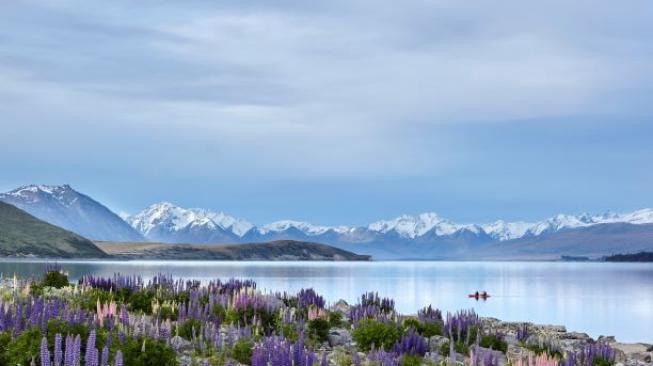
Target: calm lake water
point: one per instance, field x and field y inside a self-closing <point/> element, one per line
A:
<point x="595" y="298"/>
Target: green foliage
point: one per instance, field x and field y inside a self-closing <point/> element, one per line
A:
<point x="242" y="351"/>
<point x="148" y="352"/>
<point x="289" y="332"/>
<point x="5" y="339"/>
<point x="459" y="347"/>
<point x="186" y="329"/>
<point x="268" y="320"/>
<point x="335" y="319"/>
<point x="444" y="349"/>
<point x="167" y="312"/>
<point x="25" y="347"/>
<point x="538" y="350"/>
<point x="373" y="333"/>
<point x="600" y="361"/>
<point x="429" y="329"/>
<point x="219" y="311"/>
<point x="55" y="279"/>
<point x="494" y="342"/>
<point x="411" y="361"/>
<point x="410" y="323"/>
<point x="319" y="328"/>
<point x="425" y="329"/>
<point x="60" y="326"/>
<point x="141" y="301"/>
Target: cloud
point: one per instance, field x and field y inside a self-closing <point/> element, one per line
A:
<point x="306" y="90"/>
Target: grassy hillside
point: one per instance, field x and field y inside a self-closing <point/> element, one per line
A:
<point x="276" y="250"/>
<point x="22" y="234"/>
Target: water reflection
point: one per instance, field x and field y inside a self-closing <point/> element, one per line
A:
<point x="597" y="298"/>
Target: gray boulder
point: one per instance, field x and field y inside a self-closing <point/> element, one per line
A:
<point x="339" y="337"/>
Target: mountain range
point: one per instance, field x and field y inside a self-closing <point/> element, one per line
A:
<point x="425" y="235"/>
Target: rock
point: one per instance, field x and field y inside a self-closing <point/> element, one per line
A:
<point x="640" y="352"/>
<point x="436" y="342"/>
<point x="576" y="335"/>
<point x="180" y="345"/>
<point x="551" y="328"/>
<point x="339" y="337"/>
<point x="515" y="353"/>
<point x="341" y="307"/>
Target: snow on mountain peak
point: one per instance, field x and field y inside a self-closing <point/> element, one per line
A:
<point x="414" y="226"/>
<point x="283" y="225"/>
<point x="34" y="192"/>
<point x="175" y="218"/>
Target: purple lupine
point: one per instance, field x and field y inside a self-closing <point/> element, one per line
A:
<point x="69" y="353"/>
<point x="58" y="354"/>
<point x="77" y="350"/>
<point x="104" y="360"/>
<point x="307" y="297"/>
<point x="118" y="359"/>
<point x="411" y="344"/>
<point x="429" y="315"/>
<point x="459" y="324"/>
<point x="482" y="357"/>
<point x="522" y="333"/>
<point x="383" y="358"/>
<point x="590" y="353"/>
<point x="91" y="355"/>
<point x="45" y="352"/>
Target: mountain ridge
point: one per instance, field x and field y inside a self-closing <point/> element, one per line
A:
<point x="428" y="233"/>
<point x="405" y="226"/>
<point x="23" y="235"/>
<point x="65" y="207"/>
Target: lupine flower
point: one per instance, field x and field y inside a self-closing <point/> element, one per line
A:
<point x="45" y="353"/>
<point x="429" y="315"/>
<point x="118" y="359"/>
<point x="535" y="360"/>
<point x="58" y="354"/>
<point x="522" y="333"/>
<point x="411" y="344"/>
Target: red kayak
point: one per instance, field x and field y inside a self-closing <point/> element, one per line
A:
<point x="479" y="295"/>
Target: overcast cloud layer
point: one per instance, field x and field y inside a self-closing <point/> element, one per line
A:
<point x="337" y="113"/>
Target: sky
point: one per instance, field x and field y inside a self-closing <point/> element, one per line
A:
<point x="337" y="112"/>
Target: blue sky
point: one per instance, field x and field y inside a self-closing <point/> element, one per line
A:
<point x="337" y="113"/>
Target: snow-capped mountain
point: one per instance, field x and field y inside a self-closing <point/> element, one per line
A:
<point x="167" y="222"/>
<point x="170" y="223"/>
<point x="425" y="235"/>
<point x="64" y="207"/>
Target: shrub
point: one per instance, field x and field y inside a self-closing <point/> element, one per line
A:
<point x="25" y="347"/>
<point x="5" y="339"/>
<point x="319" y="328"/>
<point x="494" y="342"/>
<point x="242" y="351"/>
<point x="429" y="329"/>
<point x="374" y="333"/>
<point x="411" y="361"/>
<point x="55" y="279"/>
<point x="335" y="319"/>
<point x="186" y="330"/>
<point x="142" y="352"/>
<point x="410" y="323"/>
<point x="444" y="349"/>
<point x="141" y="301"/>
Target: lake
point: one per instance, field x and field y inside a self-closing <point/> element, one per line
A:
<point x="596" y="298"/>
